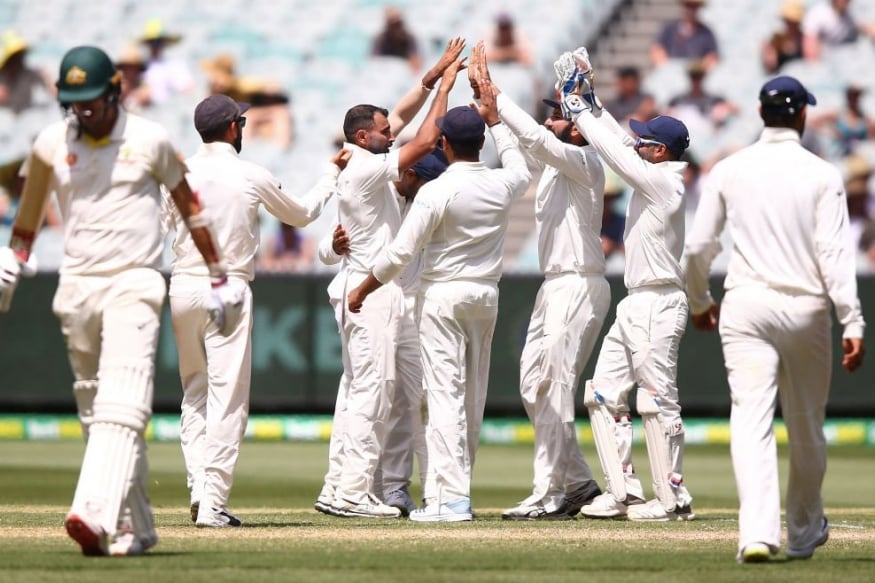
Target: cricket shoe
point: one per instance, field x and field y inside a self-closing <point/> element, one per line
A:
<point x="654" y="511"/>
<point x="755" y="553"/>
<point x="129" y="544"/>
<point x="90" y="535"/>
<point x="370" y="507"/>
<point x="807" y="551"/>
<point x="456" y="511"/>
<point x="216" y="518"/>
<point x="534" y="511"/>
<point x="606" y="506"/>
<point x="325" y="500"/>
<point x="401" y="500"/>
<point x="578" y="498"/>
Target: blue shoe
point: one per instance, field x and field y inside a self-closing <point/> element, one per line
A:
<point x="808" y="551"/>
<point x="455" y="511"/>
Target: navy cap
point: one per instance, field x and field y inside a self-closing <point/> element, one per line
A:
<point x="552" y="103"/>
<point x="665" y="129"/>
<point x="429" y="167"/>
<point x="215" y="113"/>
<point x="462" y="124"/>
<point x="785" y="95"/>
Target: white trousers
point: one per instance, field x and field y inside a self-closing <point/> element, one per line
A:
<point x="405" y="428"/>
<point x="641" y="349"/>
<point x="456" y="323"/>
<point x="567" y="317"/>
<point x="215" y="372"/>
<point x="368" y="340"/>
<point x="777" y="345"/>
<point x="111" y="324"/>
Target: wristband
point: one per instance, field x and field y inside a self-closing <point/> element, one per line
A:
<point x="21" y="242"/>
<point x="218" y="273"/>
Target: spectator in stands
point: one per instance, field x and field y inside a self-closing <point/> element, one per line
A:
<point x="686" y="38"/>
<point x="288" y="250"/>
<point x="508" y="44"/>
<point x="19" y="84"/>
<point x="786" y="44"/>
<point x="697" y="100"/>
<point x="847" y="127"/>
<point x="135" y="94"/>
<point x="630" y="102"/>
<point x="165" y="76"/>
<point x="269" y="117"/>
<point x="831" y="23"/>
<point x="858" y="173"/>
<point x="396" y="41"/>
<point x="222" y="76"/>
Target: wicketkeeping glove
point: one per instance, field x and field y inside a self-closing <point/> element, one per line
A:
<point x="567" y="74"/>
<point x="11" y="269"/>
<point x="225" y="305"/>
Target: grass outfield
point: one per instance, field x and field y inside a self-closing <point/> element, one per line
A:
<point x="285" y="540"/>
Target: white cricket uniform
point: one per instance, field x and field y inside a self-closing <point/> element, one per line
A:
<point x="368" y="211"/>
<point x="109" y="299"/>
<point x="459" y="220"/>
<point x="215" y="370"/>
<point x="787" y="213"/>
<point x="641" y="347"/>
<point x="571" y="304"/>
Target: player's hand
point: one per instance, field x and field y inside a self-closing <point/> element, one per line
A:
<point x="853" y="357"/>
<point x="448" y="79"/>
<point x="341" y="158"/>
<point x="355" y="299"/>
<point x="225" y="305"/>
<point x="11" y="270"/>
<point x="478" y="69"/>
<point x="707" y="320"/>
<point x="340" y="241"/>
<point x="451" y="54"/>
<point x="566" y="74"/>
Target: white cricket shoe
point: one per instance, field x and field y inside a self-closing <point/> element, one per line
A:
<point x="370" y="507"/>
<point x="128" y="544"/>
<point x="535" y="511"/>
<point x="216" y="518"/>
<point x="606" y="506"/>
<point x="90" y="535"/>
<point x="653" y="511"/>
<point x="325" y="500"/>
<point x="456" y="511"/>
<point x="807" y="551"/>
<point x="755" y="553"/>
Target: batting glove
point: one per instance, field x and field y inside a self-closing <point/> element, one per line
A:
<point x="225" y="305"/>
<point x="11" y="270"/>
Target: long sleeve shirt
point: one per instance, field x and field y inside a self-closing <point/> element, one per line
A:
<point x="788" y="217"/>
<point x="654" y="235"/>
<point x="460" y="219"/>
<point x="569" y="201"/>
<point x="231" y="191"/>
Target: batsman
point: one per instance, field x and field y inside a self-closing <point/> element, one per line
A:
<point x="106" y="168"/>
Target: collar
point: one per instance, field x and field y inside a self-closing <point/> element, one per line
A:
<point x="779" y="135"/>
<point x="356" y="148"/>
<point x="461" y="166"/>
<point x="116" y="134"/>
<point x="213" y="148"/>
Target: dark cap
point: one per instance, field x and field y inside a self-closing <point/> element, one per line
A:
<point x="785" y="95"/>
<point x="665" y="129"/>
<point x="216" y="112"/>
<point x="462" y="124"/>
<point x="552" y="103"/>
<point x="429" y="167"/>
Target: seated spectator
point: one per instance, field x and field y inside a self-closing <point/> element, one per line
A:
<point x="848" y="127"/>
<point x="20" y="86"/>
<point x="686" y="38"/>
<point x="831" y="23"/>
<point x="714" y="108"/>
<point x="858" y="173"/>
<point x="165" y="76"/>
<point x="629" y="101"/>
<point x="786" y="44"/>
<point x="221" y="76"/>
<point x="396" y="41"/>
<point x="135" y="94"/>
<point x="507" y="44"/>
<point x="269" y="117"/>
<point x="289" y="250"/>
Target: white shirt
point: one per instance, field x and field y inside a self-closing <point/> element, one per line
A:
<point x="460" y="218"/>
<point x="823" y="22"/>
<point x="231" y="191"/>
<point x="569" y="202"/>
<point x="788" y="217"/>
<point x="109" y="192"/>
<point x="654" y="235"/>
<point x="166" y="78"/>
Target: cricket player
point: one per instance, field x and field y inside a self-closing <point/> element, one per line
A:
<point x="641" y="347"/>
<point x="405" y="428"/>
<point x="787" y="212"/>
<point x="215" y="369"/>
<point x="368" y="211"/>
<point x="106" y="167"/>
<point x="570" y="307"/>
<point x="460" y="220"/>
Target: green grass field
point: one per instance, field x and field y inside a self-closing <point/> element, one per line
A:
<point x="285" y="540"/>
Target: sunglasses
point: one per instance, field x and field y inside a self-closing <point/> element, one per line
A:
<point x="241" y="122"/>
<point x="641" y="142"/>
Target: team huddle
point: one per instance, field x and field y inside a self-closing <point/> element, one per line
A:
<point x="419" y="243"/>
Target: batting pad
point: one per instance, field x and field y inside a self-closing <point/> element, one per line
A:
<point x="84" y="392"/>
<point x="137" y="501"/>
<point x="125" y="396"/>
<point x="604" y="435"/>
<point x="656" y="436"/>
<point x="107" y="470"/>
